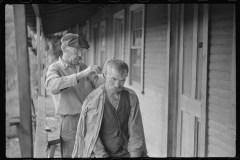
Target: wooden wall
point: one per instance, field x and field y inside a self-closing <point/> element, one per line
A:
<point x="154" y="99"/>
<point x="221" y="134"/>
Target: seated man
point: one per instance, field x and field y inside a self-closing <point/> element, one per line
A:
<point x="110" y="123"/>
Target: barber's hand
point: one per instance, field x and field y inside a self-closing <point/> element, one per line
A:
<point x="92" y="69"/>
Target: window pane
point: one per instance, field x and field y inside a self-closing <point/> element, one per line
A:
<point x="139" y="37"/>
<point x="133" y="38"/>
<point x="136" y="47"/>
<point x="135" y="65"/>
<point x="187" y="49"/>
<point x="133" y="20"/>
<point x="140" y="19"/>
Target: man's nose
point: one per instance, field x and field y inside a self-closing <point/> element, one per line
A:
<point x="117" y="84"/>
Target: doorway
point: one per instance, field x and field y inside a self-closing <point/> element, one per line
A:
<point x="190" y="103"/>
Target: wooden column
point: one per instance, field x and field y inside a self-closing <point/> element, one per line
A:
<point x="43" y="63"/>
<point x="26" y="139"/>
<point x="38" y="56"/>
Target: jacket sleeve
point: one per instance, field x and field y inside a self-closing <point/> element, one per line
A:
<point x="56" y="83"/>
<point x="136" y="143"/>
<point x="99" y="150"/>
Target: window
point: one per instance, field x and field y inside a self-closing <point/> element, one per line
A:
<point x="136" y="46"/>
<point x="119" y="34"/>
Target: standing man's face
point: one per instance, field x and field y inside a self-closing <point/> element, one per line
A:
<point x="115" y="79"/>
<point x="74" y="55"/>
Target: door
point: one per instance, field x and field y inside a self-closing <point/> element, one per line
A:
<point x="190" y="81"/>
<point x="119" y="35"/>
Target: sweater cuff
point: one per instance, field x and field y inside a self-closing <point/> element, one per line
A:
<point x="135" y="154"/>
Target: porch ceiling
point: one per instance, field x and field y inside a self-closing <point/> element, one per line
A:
<point x="59" y="17"/>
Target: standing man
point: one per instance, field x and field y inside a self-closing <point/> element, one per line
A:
<point x="110" y="123"/>
<point x="70" y="81"/>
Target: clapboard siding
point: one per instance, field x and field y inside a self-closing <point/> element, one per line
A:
<point x="222" y="128"/>
<point x="223" y="21"/>
<point x="228" y="140"/>
<point x="221" y="31"/>
<point x="215" y="83"/>
<point x="221" y="137"/>
<point x="229" y="149"/>
<point x="219" y="101"/>
<point x="215" y="151"/>
<point x="220" y="57"/>
<point x="156" y="37"/>
<point x="224" y="111"/>
<point x="220" y="40"/>
<point x="214" y="74"/>
<point x="220" y="93"/>
<point x="153" y="27"/>
<point x="220" y="66"/>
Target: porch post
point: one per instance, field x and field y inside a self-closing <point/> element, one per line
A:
<point x="38" y="56"/>
<point x="25" y="137"/>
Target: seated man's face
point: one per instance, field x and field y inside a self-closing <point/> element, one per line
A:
<point x="115" y="80"/>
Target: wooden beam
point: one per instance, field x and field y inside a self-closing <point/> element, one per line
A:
<point x="38" y="56"/>
<point x="36" y="9"/>
<point x="26" y="138"/>
<point x="67" y="9"/>
<point x="204" y="111"/>
<point x="65" y="17"/>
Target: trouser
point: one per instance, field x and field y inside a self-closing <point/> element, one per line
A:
<point x="68" y="129"/>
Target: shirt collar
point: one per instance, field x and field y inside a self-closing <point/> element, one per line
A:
<point x="64" y="64"/>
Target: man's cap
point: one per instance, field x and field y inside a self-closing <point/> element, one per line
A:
<point x="73" y="40"/>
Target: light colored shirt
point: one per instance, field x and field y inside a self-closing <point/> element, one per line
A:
<point x="88" y="142"/>
<point x="68" y="93"/>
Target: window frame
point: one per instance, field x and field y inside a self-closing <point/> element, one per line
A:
<point x="135" y="7"/>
